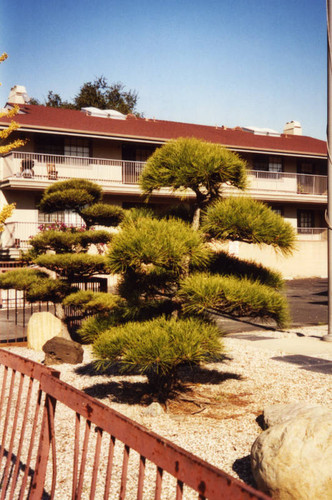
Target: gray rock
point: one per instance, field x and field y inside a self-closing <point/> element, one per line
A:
<point x="275" y="414"/>
<point x="59" y="350"/>
<point x="292" y="460"/>
<point x="154" y="410"/>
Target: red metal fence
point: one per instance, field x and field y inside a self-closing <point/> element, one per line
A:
<point x="96" y="452"/>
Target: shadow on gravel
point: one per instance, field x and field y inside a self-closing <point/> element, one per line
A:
<point x="131" y="392"/>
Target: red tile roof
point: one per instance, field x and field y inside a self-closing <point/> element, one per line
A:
<point x="56" y="119"/>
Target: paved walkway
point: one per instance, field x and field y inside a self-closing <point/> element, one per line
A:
<point x="303" y="344"/>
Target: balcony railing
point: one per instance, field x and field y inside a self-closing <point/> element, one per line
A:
<point x="56" y="167"/>
<point x="17" y="234"/>
<point x="312" y="233"/>
<point x="36" y="166"/>
<point x="287" y="183"/>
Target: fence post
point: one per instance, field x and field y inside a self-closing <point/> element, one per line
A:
<point x="47" y="438"/>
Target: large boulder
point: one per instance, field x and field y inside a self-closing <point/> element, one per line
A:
<point x="59" y="350"/>
<point x="43" y="326"/>
<point x="292" y="460"/>
<point x="275" y="414"/>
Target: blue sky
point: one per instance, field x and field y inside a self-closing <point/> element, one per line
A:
<point x="224" y="62"/>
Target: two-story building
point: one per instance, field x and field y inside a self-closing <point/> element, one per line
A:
<point x="286" y="170"/>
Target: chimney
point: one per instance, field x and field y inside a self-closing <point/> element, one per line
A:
<point x="293" y="128"/>
<point x="18" y="95"/>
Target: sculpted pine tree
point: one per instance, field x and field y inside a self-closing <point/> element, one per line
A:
<point x="206" y="169"/>
<point x="64" y="251"/>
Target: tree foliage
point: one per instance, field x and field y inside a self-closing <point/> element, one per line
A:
<point x="68" y="241"/>
<point x="71" y="266"/>
<point x="5" y="213"/>
<point x="152" y="256"/>
<point x="158" y="348"/>
<point x="98" y="94"/>
<point x="5" y="145"/>
<point x="102" y="214"/>
<point x="64" y="251"/>
<point x="233" y="296"/>
<point x="224" y="264"/>
<point x="244" y="219"/>
<point x="188" y="163"/>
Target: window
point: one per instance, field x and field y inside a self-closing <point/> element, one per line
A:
<point x="76" y="146"/>
<point x="268" y="164"/>
<point x="49" y="145"/>
<point x="305" y="221"/>
<point x="278" y="210"/>
<point x="275" y="165"/>
<point x="135" y="152"/>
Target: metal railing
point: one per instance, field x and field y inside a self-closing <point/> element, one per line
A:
<point x="41" y="167"/>
<point x="312" y="233"/>
<point x="18" y="234"/>
<point x="15" y="310"/>
<point x="287" y="182"/>
<point x="25" y="413"/>
<point x="111" y="171"/>
<point x="106" y="455"/>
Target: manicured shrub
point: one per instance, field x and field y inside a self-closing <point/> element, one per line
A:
<point x="101" y="214"/>
<point x="202" y="292"/>
<point x="191" y="163"/>
<point x="94" y="326"/>
<point x="93" y="302"/>
<point x="150" y="244"/>
<point x="157" y="348"/>
<point x="152" y="256"/>
<point x="73" y="266"/>
<point x="73" y="194"/>
<point x="68" y="241"/>
<point x="244" y="219"/>
<point x="20" y="279"/>
<point x="47" y="290"/>
<point x="227" y="265"/>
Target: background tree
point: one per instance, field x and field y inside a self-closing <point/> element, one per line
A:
<point x="98" y="94"/>
<point x="5" y="145"/>
<point x="5" y="213"/>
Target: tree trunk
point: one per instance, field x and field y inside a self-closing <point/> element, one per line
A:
<point x="196" y="219"/>
<point x="60" y="314"/>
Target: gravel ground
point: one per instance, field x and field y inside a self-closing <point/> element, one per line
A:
<point x="222" y="426"/>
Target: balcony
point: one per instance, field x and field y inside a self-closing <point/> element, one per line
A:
<point x="287" y="186"/>
<point x="312" y="233"/>
<point x="36" y="171"/>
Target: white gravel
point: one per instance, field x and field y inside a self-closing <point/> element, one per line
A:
<point x="221" y="432"/>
